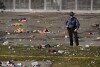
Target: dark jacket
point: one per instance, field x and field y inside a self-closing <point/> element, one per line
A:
<point x="72" y="23"/>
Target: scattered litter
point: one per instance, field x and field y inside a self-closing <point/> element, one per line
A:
<point x="88" y="64"/>
<point x="60" y="51"/>
<point x="87" y="45"/>
<point x="48" y="46"/>
<point x="32" y="46"/>
<point x="14" y="51"/>
<point x="58" y="45"/>
<point x="38" y="21"/>
<point x="48" y="63"/>
<point x="82" y="48"/>
<point x="43" y="31"/>
<point x="96" y="56"/>
<point x="98" y="38"/>
<point x="3" y="65"/>
<point x="74" y="54"/>
<point x="97" y="25"/>
<point x="43" y="46"/>
<point x="66" y="53"/>
<point x="30" y="40"/>
<point x="19" y="64"/>
<point x="17" y="24"/>
<point x="66" y="36"/>
<point x="8" y="33"/>
<point x="92" y="62"/>
<point x="22" y="20"/>
<point x="35" y="64"/>
<point x="10" y="63"/>
<point x="24" y="66"/>
<point x="6" y="43"/>
<point x="35" y="31"/>
<point x="90" y="33"/>
<point x="9" y="47"/>
<point x="19" y="30"/>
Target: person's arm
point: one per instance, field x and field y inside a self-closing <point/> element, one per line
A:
<point x="77" y="25"/>
<point x="66" y="23"/>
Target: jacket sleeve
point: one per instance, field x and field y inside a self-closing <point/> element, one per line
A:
<point x="66" y="21"/>
<point x="77" y="24"/>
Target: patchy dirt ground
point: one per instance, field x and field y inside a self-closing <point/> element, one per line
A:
<point x="89" y="32"/>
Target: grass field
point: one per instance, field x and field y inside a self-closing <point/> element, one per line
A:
<point x="80" y="56"/>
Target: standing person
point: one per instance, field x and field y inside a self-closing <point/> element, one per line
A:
<point x="72" y="25"/>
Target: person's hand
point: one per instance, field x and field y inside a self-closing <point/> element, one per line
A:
<point x="66" y="25"/>
<point x="75" y="30"/>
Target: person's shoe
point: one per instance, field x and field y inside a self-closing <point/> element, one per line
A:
<point x="71" y="45"/>
<point x="77" y="45"/>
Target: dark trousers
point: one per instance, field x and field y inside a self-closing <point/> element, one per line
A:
<point x="72" y="35"/>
